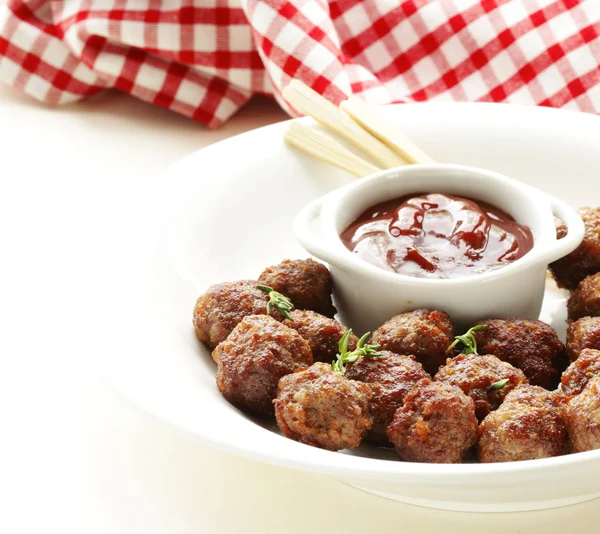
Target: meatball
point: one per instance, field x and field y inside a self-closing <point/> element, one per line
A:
<point x="583" y="417"/>
<point x="307" y="283"/>
<point x="324" y="409"/>
<point x="322" y="333"/>
<point x="585" y="259"/>
<point x="257" y="353"/>
<point x="585" y="300"/>
<point x="482" y="378"/>
<point x="561" y="228"/>
<point x="423" y="334"/>
<point x="390" y="376"/>
<point x="528" y="425"/>
<point x="583" y="334"/>
<point x="528" y="344"/>
<point x="577" y="375"/>
<point x="435" y="424"/>
<point x="223" y="306"/>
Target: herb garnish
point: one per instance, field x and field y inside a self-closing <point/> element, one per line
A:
<point x="468" y="340"/>
<point x="499" y="385"/>
<point x="281" y="302"/>
<point x="362" y="349"/>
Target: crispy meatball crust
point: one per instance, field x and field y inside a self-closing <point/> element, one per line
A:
<point x="321" y="408"/>
<point x="583" y="417"/>
<point x="583" y="334"/>
<point x="322" y="333"/>
<point x="585" y="300"/>
<point x="474" y="375"/>
<point x="561" y="228"/>
<point x="307" y="283"/>
<point x="435" y="424"/>
<point x="527" y="344"/>
<point x="528" y="425"/>
<point x="577" y="375"/>
<point x="422" y="333"/>
<point x="223" y="306"/>
<point x="257" y="353"/>
<point x="390" y="377"/>
<point x="585" y="259"/>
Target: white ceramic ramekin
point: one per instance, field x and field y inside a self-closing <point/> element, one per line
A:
<point x="368" y="295"/>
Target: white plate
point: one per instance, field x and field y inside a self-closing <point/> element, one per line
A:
<point x="225" y="213"/>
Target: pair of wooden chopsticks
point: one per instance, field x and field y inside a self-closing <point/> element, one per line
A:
<point x="354" y="121"/>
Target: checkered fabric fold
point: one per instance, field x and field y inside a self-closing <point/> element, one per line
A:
<point x="206" y="58"/>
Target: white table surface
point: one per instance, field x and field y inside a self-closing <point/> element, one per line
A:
<point x="74" y="456"/>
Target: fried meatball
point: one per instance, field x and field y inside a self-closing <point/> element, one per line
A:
<point x="528" y="344"/>
<point x="436" y="424"/>
<point x="475" y="374"/>
<point x="223" y="306"/>
<point x="390" y="376"/>
<point x="577" y="375"/>
<point x="324" y="409"/>
<point x="322" y="333"/>
<point x="561" y="228"/>
<point x="307" y="283"/>
<point x="423" y="334"/>
<point x="257" y="353"/>
<point x="583" y="417"/>
<point x="585" y="300"/>
<point x="583" y="334"/>
<point x="585" y="259"/>
<point x="529" y="424"/>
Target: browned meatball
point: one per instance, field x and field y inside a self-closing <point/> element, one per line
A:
<point x="223" y="306"/>
<point x="324" y="409"/>
<point x="307" y="283"/>
<point x="322" y="333"/>
<point x="577" y="375"/>
<point x="585" y="300"/>
<point x="390" y="376"/>
<point x="435" y="424"/>
<point x="528" y="344"/>
<point x="583" y="417"/>
<point x="561" y="228"/>
<point x="585" y="259"/>
<point x="423" y="334"/>
<point x="583" y="334"/>
<point x="528" y="425"/>
<point x="480" y="377"/>
<point x="257" y="353"/>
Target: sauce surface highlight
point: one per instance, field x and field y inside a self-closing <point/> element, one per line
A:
<point x="432" y="235"/>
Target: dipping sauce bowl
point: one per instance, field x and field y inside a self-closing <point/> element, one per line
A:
<point x="368" y="295"/>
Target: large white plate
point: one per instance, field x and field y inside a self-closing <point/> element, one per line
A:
<point x="225" y="213"/>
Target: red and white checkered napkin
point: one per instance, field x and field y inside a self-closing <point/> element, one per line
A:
<point x="206" y="58"/>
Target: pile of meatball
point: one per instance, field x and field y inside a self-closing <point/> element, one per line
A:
<point x="522" y="395"/>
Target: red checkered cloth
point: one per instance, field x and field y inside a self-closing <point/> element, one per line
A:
<point x="206" y="58"/>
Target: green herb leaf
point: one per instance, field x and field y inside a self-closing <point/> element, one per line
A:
<point x="281" y="302"/>
<point x="499" y="385"/>
<point x="363" y="349"/>
<point x="468" y="340"/>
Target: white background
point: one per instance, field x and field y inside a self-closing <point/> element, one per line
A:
<point x="74" y="456"/>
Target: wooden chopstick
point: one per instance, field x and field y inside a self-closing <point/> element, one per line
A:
<point x="326" y="149"/>
<point x="311" y="103"/>
<point x="372" y="122"/>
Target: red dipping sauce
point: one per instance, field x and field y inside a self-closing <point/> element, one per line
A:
<point x="432" y="235"/>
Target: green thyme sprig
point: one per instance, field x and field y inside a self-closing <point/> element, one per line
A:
<point x="344" y="357"/>
<point x="279" y="301"/>
<point x="468" y="340"/>
<point x="499" y="385"/>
